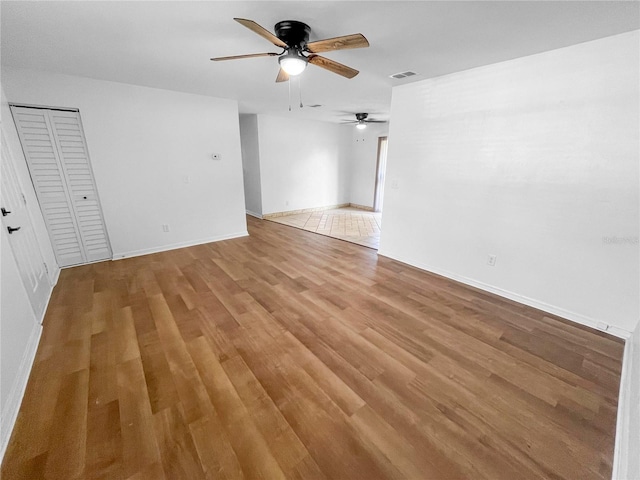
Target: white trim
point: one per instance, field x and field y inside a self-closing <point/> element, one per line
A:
<point x="271" y="215"/>
<point x="175" y="246"/>
<point x="253" y="214"/>
<point x="14" y="399"/>
<point x="561" y="312"/>
<point x="53" y="278"/>
<point x="53" y="282"/>
<point x="620" y="453"/>
<point x="108" y="259"/>
<point x="43" y="107"/>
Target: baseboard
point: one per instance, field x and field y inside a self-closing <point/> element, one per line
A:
<point x="175" y="246"/>
<point x="267" y="216"/>
<point x="11" y="408"/>
<point x="545" y="307"/>
<point x="621" y="453"/>
<point x="253" y="214"/>
<point x="361" y="207"/>
<point x="53" y="275"/>
<point x="54" y="278"/>
<point x="54" y="281"/>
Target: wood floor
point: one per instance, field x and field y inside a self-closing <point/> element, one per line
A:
<point x="293" y="355"/>
<point x="348" y="223"/>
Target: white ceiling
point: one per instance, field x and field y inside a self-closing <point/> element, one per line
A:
<point x="168" y="44"/>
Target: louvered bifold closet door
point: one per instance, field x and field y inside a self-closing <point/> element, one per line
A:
<point x="56" y="152"/>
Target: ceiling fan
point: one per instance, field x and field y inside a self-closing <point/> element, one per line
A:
<point x="362" y="120"/>
<point x="293" y="37"/>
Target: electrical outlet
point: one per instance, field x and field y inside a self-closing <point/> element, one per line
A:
<point x="395" y="184"/>
<point x="286" y="203"/>
<point x="491" y="260"/>
<point x="165" y="227"/>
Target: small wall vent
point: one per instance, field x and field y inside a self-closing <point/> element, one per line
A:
<point x="406" y="74"/>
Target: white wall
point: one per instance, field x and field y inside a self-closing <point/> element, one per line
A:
<point x="251" y="164"/>
<point x="145" y="144"/>
<point x="364" y="157"/>
<point x="303" y="163"/>
<point x="626" y="463"/>
<point x="292" y="164"/>
<point x="534" y="160"/>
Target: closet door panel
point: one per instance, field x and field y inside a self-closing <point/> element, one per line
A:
<point x="81" y="184"/>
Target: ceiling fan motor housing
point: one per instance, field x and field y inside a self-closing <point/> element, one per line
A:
<point x="361" y="116"/>
<point x="295" y="34"/>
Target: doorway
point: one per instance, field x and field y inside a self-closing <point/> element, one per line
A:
<point x="381" y="168"/>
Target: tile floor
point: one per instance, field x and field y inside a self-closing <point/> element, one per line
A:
<point x="350" y="224"/>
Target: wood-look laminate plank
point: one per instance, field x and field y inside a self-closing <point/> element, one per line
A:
<point x="409" y="460"/>
<point x="317" y="421"/>
<point x="125" y="336"/>
<point x="307" y="469"/>
<point x="104" y="459"/>
<point x="250" y="446"/>
<point x="295" y="356"/>
<point x="139" y="444"/>
<point x="160" y="384"/>
<point x="283" y="443"/>
<point x="153" y="471"/>
<point x="191" y="390"/>
<point x="30" y="438"/>
<point x="216" y="455"/>
<point x="345" y="398"/>
<point x="67" y="441"/>
<point x="178" y="453"/>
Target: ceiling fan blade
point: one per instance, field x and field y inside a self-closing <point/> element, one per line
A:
<point x="263" y="32"/>
<point x="333" y="66"/>
<point x="375" y="121"/>
<point x="357" y="40"/>
<point x="282" y="76"/>
<point x="251" y="55"/>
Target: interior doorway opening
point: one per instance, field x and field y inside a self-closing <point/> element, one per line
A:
<point x="381" y="168"/>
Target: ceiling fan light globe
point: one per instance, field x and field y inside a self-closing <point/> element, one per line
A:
<point x="293" y="65"/>
<point x="361" y="126"/>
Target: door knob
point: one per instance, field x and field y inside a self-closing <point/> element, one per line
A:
<point x="11" y="229"/>
<point x="5" y="212"/>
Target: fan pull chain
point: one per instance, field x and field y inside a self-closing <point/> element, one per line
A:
<point x="289" y="82"/>
<point x="300" y="90"/>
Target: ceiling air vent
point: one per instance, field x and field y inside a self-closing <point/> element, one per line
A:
<point x="406" y="74"/>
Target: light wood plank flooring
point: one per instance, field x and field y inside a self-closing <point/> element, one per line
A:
<point x="348" y="223"/>
<point x="292" y="355"/>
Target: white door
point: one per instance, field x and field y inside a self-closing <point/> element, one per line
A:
<point x="24" y="244"/>
<point x="58" y="159"/>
